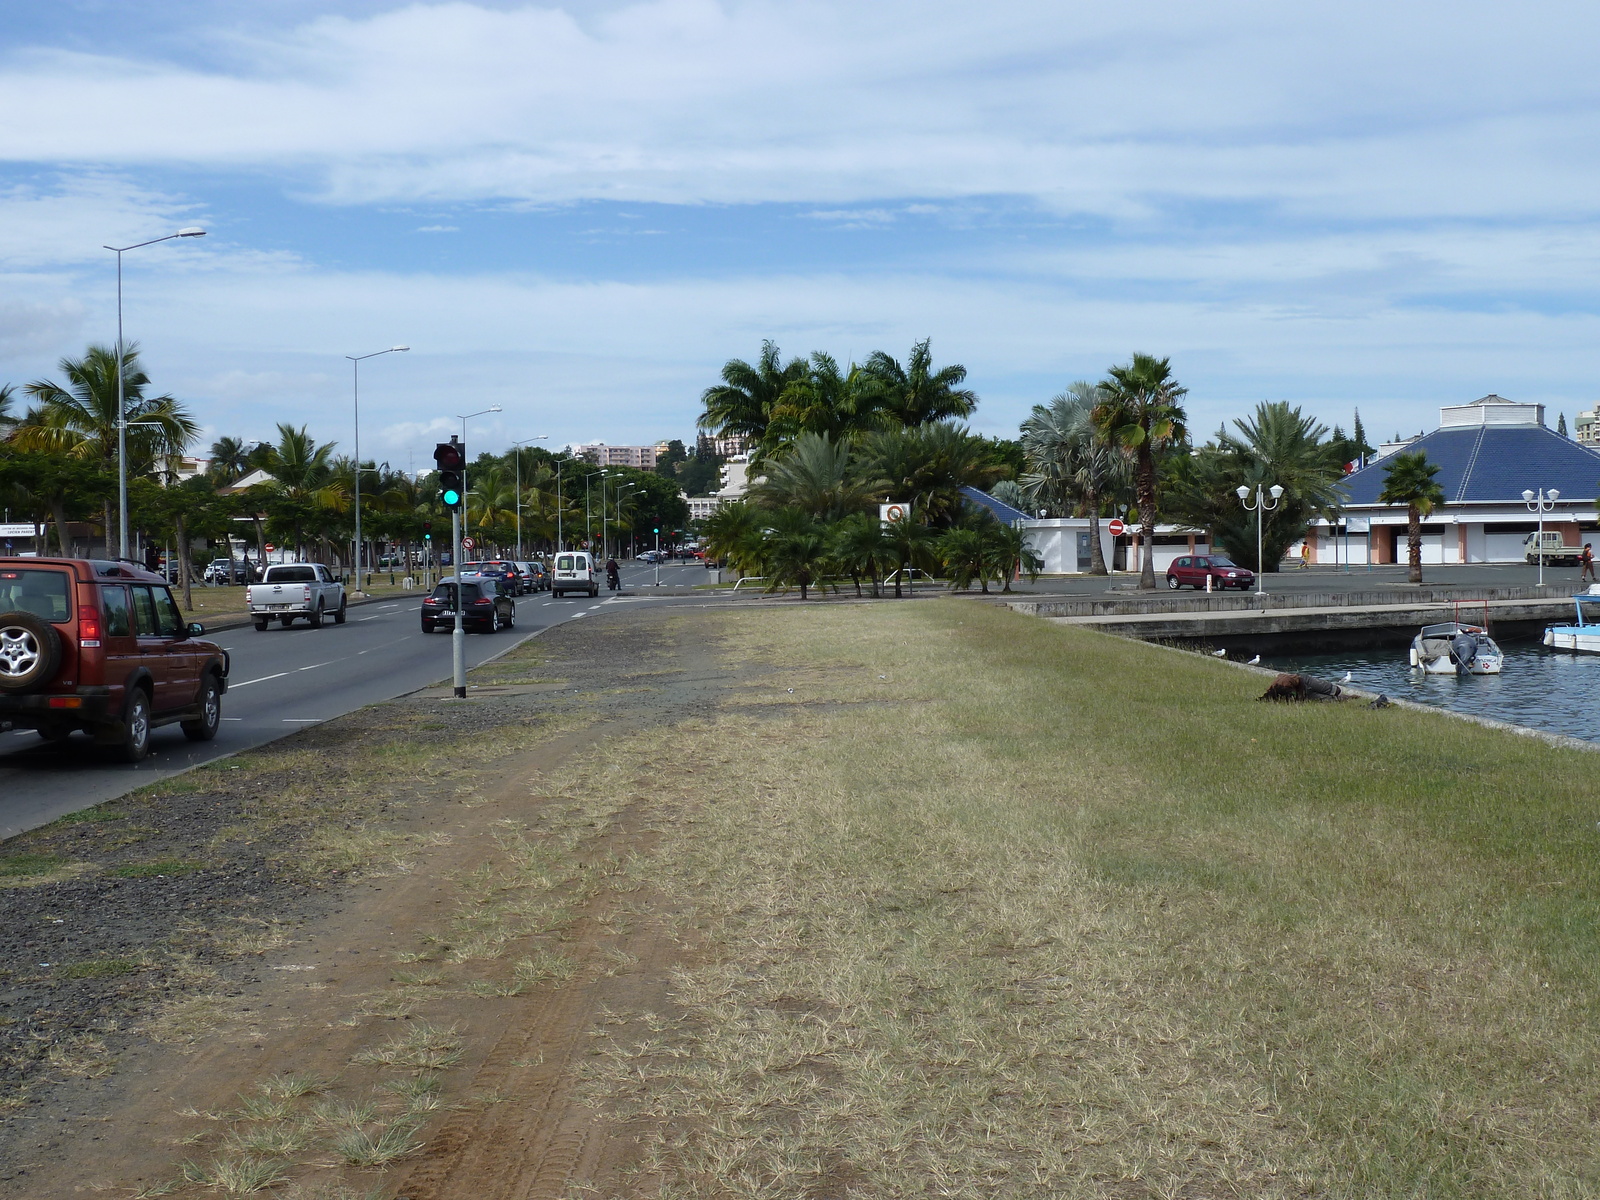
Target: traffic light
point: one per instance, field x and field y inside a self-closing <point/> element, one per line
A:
<point x="427" y="531"/>
<point x="450" y="458"/>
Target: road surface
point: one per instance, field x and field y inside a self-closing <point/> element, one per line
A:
<point x="286" y="679"/>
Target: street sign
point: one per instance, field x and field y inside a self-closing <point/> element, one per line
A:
<point x="888" y="514"/>
<point x="468" y="544"/>
<point x="1117" y="527"/>
<point x="24" y="530"/>
<point x="270" y="547"/>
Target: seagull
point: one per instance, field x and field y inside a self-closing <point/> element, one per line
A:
<point x="1254" y="661"/>
<point x="791" y="691"/>
<point x="883" y="677"/>
<point x="1348" y="678"/>
<point x="1219" y="654"/>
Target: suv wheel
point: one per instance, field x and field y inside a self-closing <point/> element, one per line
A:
<point x="135" y="742"/>
<point x="204" y="727"/>
<point x="30" y="651"/>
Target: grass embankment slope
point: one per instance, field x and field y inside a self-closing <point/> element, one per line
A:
<point x="1000" y="908"/>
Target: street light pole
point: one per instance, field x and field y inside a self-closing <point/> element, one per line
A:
<point x="1542" y="502"/>
<point x="1260" y="508"/>
<point x="122" y="403"/>
<point x="355" y="367"/>
<point x="458" y="632"/>
<point x="588" y="513"/>
<point x="516" y="453"/>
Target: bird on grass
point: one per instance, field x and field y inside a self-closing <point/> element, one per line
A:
<point x="1219" y="654"/>
<point x="1256" y="661"/>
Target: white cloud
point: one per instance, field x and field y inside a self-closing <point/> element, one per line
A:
<point x="1329" y="108"/>
<point x="438" y="229"/>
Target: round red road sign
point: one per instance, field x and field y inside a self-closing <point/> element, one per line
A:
<point x="1117" y="527"/>
<point x="467" y="543"/>
<point x="270" y="547"/>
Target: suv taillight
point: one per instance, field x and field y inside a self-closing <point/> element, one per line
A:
<point x="88" y="625"/>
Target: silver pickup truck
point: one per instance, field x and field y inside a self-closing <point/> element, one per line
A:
<point x="290" y="590"/>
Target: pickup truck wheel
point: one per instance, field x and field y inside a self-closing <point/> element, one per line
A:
<point x="261" y="624"/>
<point x="204" y="727"/>
<point x="316" y="617"/>
<point x="338" y="615"/>
<point x="134" y="744"/>
<point x="286" y="621"/>
<point x="30" y="651"/>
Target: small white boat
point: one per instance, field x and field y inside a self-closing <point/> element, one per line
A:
<point x="1584" y="635"/>
<point x="1456" y="648"/>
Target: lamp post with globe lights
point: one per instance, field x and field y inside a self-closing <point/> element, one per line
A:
<point x="1541" y="502"/>
<point x="1260" y="507"/>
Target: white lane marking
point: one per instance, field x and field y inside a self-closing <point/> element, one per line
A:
<point x="388" y="606"/>
<point x="379" y="616"/>
<point x="576" y="615"/>
<point x="314" y="666"/>
<point x="233" y="718"/>
<point x="302" y="720"/>
<point x="263" y="679"/>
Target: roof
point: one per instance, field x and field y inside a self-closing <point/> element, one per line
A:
<point x="1490" y="464"/>
<point x="999" y="508"/>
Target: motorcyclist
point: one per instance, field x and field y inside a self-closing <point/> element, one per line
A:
<point x="613" y="574"/>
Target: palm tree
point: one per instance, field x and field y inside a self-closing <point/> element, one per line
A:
<point x="796" y="549"/>
<point x="1409" y="480"/>
<point x="743" y="402"/>
<point x="1140" y="413"/>
<point x="733" y="534"/>
<point x="815" y="474"/>
<point x="492" y="504"/>
<point x="81" y="419"/>
<point x="824" y="400"/>
<point x="302" y="486"/>
<point x="1007" y="551"/>
<point x="962" y="551"/>
<point x="861" y="547"/>
<point x="929" y="465"/>
<point x="917" y="394"/>
<point x="230" y="460"/>
<point x="913" y="544"/>
<point x="7" y="420"/>
<point x="1071" y="466"/>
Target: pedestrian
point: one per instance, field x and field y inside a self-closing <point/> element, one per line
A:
<point x="1586" y="561"/>
<point x="1305" y="555"/>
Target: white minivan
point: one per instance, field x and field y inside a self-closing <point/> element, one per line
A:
<point x="574" y="573"/>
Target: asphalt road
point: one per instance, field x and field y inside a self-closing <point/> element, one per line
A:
<point x="286" y="679"/>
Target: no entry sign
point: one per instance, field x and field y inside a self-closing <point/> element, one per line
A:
<point x="1117" y="527"/>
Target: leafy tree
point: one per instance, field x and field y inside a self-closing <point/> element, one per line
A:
<point x="796" y="550"/>
<point x="1561" y="424"/>
<point x="1141" y="413"/>
<point x="667" y="464"/>
<point x="1409" y="480"/>
<point x="1007" y="551"/>
<point x="743" y="402"/>
<point x="826" y="401"/>
<point x="734" y="535"/>
<point x="962" y="551"/>
<point x="8" y="417"/>
<point x="302" y="490"/>
<point x="860" y="547"/>
<point x="929" y="465"/>
<point x="81" y="418"/>
<point x="1071" y="466"/>
<point x="1277" y="445"/>
<point x="700" y="474"/>
<point x="916" y="394"/>
<point x="816" y="475"/>
<point x="230" y="460"/>
<point x="53" y="488"/>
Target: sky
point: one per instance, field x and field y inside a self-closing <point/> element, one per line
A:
<point x="580" y="211"/>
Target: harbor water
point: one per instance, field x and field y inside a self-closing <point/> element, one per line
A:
<point x="1558" y="692"/>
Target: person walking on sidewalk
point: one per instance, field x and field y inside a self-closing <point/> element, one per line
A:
<point x="1586" y="563"/>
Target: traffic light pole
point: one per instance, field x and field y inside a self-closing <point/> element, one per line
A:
<point x="657" y="563"/>
<point x="458" y="632"/>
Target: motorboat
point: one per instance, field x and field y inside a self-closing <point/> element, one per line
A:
<point x="1457" y="648"/>
<point x="1584" y="634"/>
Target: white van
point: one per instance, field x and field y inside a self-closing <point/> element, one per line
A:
<point x="574" y="573"/>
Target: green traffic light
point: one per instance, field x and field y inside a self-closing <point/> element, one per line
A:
<point x="451" y="497"/>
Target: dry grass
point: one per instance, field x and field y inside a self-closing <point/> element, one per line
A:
<point x="995" y="908"/>
<point x="425" y="1046"/>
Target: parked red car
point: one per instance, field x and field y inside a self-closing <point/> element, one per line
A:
<point x="1194" y="570"/>
<point x="100" y="646"/>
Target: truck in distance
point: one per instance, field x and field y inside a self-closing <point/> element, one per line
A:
<point x="291" y="590"/>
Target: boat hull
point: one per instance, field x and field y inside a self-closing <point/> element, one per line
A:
<point x="1581" y="638"/>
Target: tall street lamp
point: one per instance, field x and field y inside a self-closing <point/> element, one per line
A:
<point x="619" y="494"/>
<point x="355" y="366"/>
<point x="1541" y="502"/>
<point x="458" y="634"/>
<point x="122" y="404"/>
<point x="1260" y="507"/>
<point x="588" y="517"/>
<point x="516" y="453"/>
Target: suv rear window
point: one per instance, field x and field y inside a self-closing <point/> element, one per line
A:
<point x="42" y="593"/>
<point x="291" y="575"/>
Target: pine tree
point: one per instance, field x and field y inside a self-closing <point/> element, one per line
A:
<point x="1561" y="424"/>
<point x="1358" y="435"/>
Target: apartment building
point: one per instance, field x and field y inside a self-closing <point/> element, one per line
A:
<point x="642" y="457"/>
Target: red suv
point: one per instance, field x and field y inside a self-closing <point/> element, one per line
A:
<point x="102" y="647"/>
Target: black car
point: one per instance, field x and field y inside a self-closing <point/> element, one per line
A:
<point x="487" y="598"/>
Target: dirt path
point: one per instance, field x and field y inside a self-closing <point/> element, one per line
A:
<point x="485" y="865"/>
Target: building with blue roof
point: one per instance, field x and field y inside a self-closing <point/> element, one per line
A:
<point x="1488" y="453"/>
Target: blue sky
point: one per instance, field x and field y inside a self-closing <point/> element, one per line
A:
<point x="580" y="211"/>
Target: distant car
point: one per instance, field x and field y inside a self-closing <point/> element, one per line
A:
<point x="651" y="556"/>
<point x="503" y="568"/>
<point x="1194" y="570"/>
<point x="574" y="573"/>
<point x="537" y="577"/>
<point x="488" y="607"/>
<point x="226" y="571"/>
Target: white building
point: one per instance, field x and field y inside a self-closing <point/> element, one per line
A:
<point x="642" y="457"/>
<point x="701" y="507"/>
<point x="735" y="478"/>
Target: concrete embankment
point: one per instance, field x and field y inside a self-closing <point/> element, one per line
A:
<point x="1305" y="621"/>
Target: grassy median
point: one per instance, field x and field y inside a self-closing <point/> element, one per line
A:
<point x="984" y="906"/>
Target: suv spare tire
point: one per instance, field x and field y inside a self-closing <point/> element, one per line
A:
<point x="30" y="652"/>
